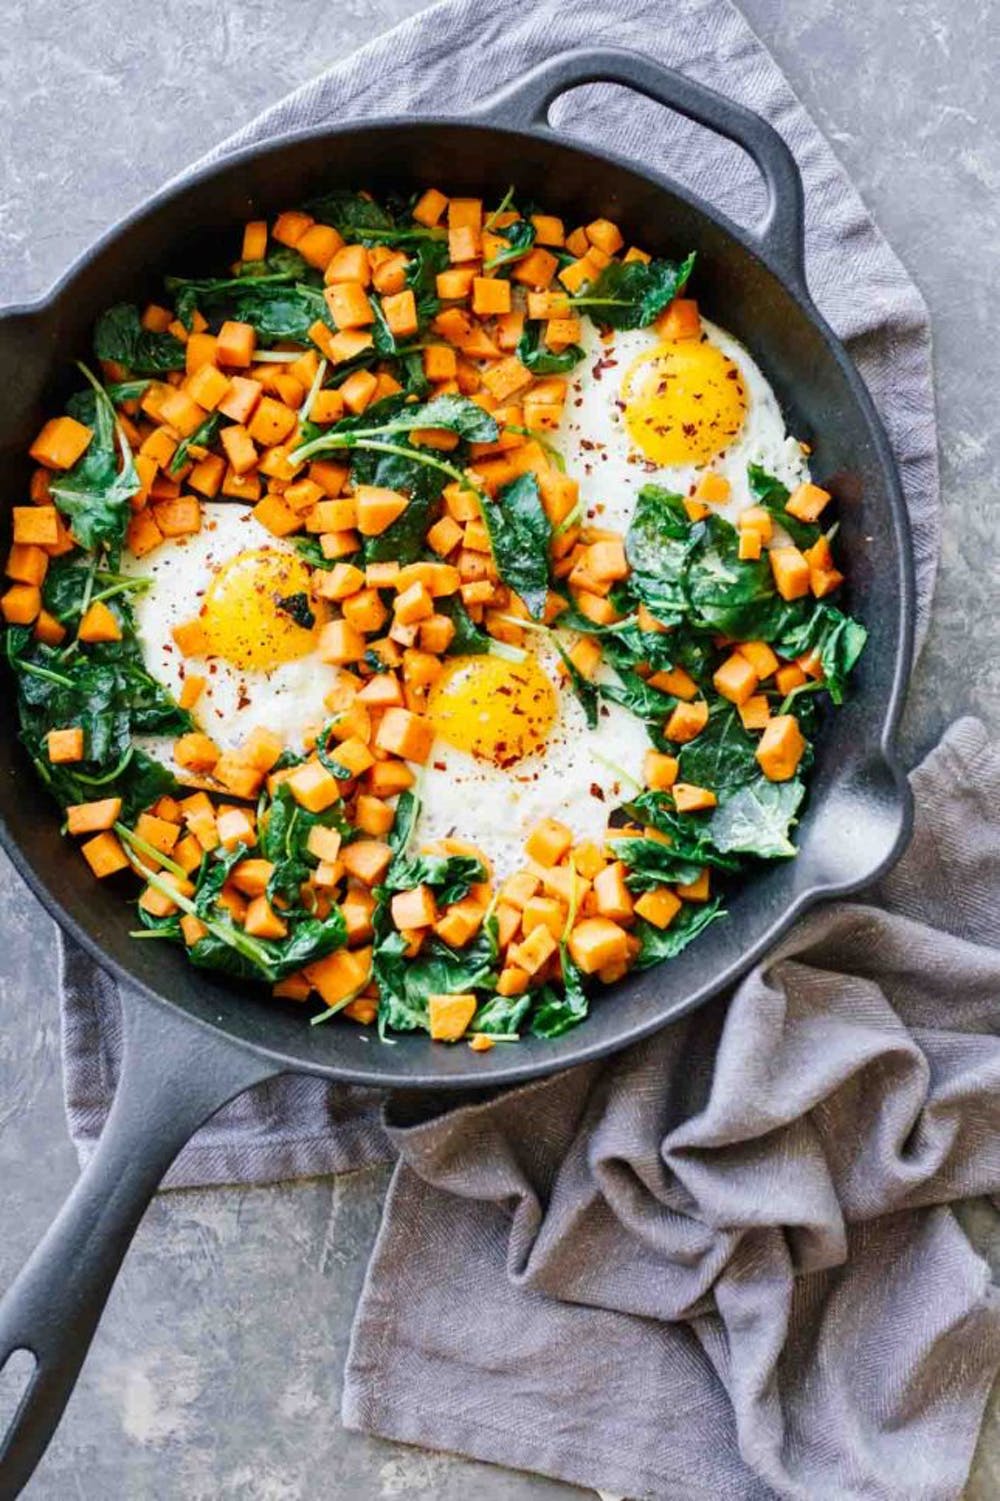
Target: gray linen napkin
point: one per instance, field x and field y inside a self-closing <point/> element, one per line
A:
<point x="725" y="1263"/>
<point x="444" y="59"/>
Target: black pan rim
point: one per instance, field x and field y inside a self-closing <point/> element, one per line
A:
<point x="567" y="1051"/>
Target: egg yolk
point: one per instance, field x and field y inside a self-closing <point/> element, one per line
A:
<point x="257" y="608"/>
<point x="684" y="402"/>
<point x="497" y="710"/>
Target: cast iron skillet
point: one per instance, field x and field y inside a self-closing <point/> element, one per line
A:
<point x="192" y="1043"/>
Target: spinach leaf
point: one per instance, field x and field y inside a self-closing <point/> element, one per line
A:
<point x="94" y="495"/>
<point x="119" y="336"/>
<point x="520" y="533"/>
<point x="658" y="544"/>
<point x="587" y="693"/>
<point x="282" y="298"/>
<point x="690" y="838"/>
<point x="534" y="356"/>
<point x="722" y="756"/>
<point x="559" y="1010"/>
<point x="468" y="640"/>
<point x="353" y="214"/>
<point x="405" y="985"/>
<point x="727" y="595"/>
<point x="638" y="696"/>
<point x="202" y="437"/>
<point x="651" y="863"/>
<point x="297" y="608"/>
<point x="450" y="876"/>
<point x="756" y="819"/>
<point x="284" y="834"/>
<point x="427" y="259"/>
<point x="631" y="294"/>
<point x="456" y="413"/>
<point x="838" y="638"/>
<point x="659" y="944"/>
<point x="520" y="237"/>
<point x="770" y="493"/>
<point x="502" y="1014"/>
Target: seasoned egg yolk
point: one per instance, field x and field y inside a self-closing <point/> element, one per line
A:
<point x="684" y="402"/>
<point x="497" y="710"/>
<point x="257" y="608"/>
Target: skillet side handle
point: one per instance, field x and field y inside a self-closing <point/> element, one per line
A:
<point x="174" y="1076"/>
<point x="526" y="102"/>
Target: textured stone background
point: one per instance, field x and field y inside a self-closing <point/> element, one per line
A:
<point x="216" y="1370"/>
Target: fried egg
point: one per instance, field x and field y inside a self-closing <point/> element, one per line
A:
<point x="512" y="745"/>
<point x="260" y="666"/>
<point x="641" y="410"/>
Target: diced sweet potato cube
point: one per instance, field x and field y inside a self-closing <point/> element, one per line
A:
<point x="414" y="909"/>
<point x="405" y="734"/>
<point x="36" y="525"/>
<point x="679" y="320"/>
<point x="235" y="826"/>
<point x="196" y="752"/>
<point x="377" y="508"/>
<point x="372" y="816"/>
<point x="161" y="833"/>
<point x="755" y="712"/>
<point x="691" y="799"/>
<point x="319" y="244"/>
<point x="535" y="950"/>
<point x="490" y="296"/>
<point x="272" y="422"/>
<point x="791" y="572"/>
<point x="367" y="860"/>
<point x="65" y="746"/>
<point x="61" y="442"/>
<point x="712" y="488"/>
<point x="27" y="563"/>
<point x="349" y="305"/>
<point x="544" y="912"/>
<point x="735" y="679"/>
<point x="178" y="518"/>
<point x="760" y="656"/>
<point x="596" y="942"/>
<point x="99" y="624"/>
<point x="548" y="842"/>
<point x="105" y="855"/>
<point x="357" y="910"/>
<point x="788" y="678"/>
<point x="262" y="748"/>
<point x="21" y="604"/>
<point x="613" y="898"/>
<point x="290" y="226"/>
<point x="697" y="890"/>
<point x="687" y="721"/>
<point x="449" y="1015"/>
<point x="353" y="754"/>
<point x="429" y="208"/>
<point x="251" y="877"/>
<point x="387" y="778"/>
<point x="313" y="787"/>
<point x="780" y="748"/>
<point x="536" y="269"/>
<point x="340" y="642"/>
<point x="262" y="921"/>
<point x="659" y="771"/>
<point x="512" y="980"/>
<point x="400" y="311"/>
<point x="519" y="888"/>
<point x="460" y="922"/>
<point x="505" y="378"/>
<point x="659" y="906"/>
<point x="807" y="502"/>
<point x="236" y="343"/>
<point x="91" y="818"/>
<point x="340" y="974"/>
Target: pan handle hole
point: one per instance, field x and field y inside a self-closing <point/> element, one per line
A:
<point x="16" y="1376"/>
<point x="708" y="164"/>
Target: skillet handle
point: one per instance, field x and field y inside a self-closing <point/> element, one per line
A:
<point x="526" y="103"/>
<point x="174" y="1076"/>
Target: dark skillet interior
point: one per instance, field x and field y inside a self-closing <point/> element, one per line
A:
<point x="854" y="815"/>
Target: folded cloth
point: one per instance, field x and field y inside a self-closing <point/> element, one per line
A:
<point x="444" y="59"/>
<point x="726" y="1263"/>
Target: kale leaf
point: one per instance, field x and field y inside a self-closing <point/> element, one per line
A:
<point x="559" y="1010"/>
<point x="631" y="294"/>
<point x="119" y="336"/>
<point x="770" y="493"/>
<point x="94" y="495"/>
<point x="520" y="237"/>
<point x="520" y="533"/>
<point x="534" y="356"/>
<point x="658" y="545"/>
<point x="659" y="944"/>
<point x="756" y="818"/>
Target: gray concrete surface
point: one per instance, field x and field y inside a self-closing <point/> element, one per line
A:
<point x="216" y="1370"/>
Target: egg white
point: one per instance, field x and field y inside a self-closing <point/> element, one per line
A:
<point x="599" y="452"/>
<point x="579" y="777"/>
<point x="287" y="699"/>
